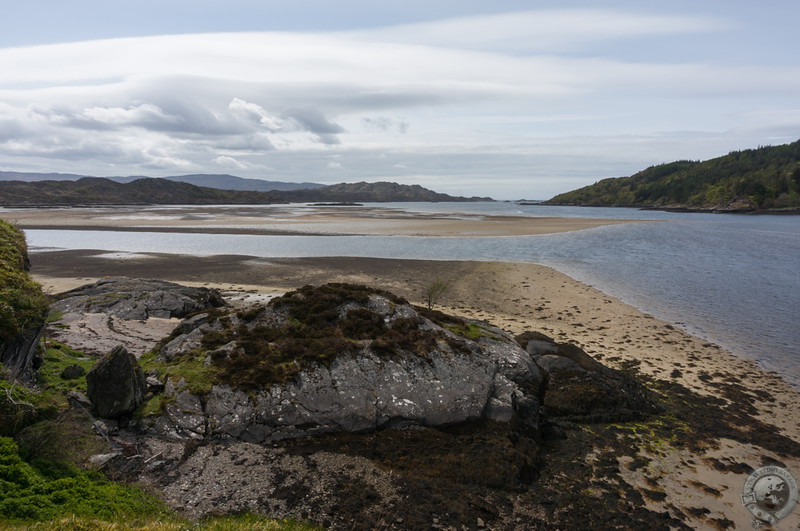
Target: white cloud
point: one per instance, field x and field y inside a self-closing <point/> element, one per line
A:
<point x="255" y="112"/>
<point x="544" y="31"/>
<point x="230" y="162"/>
<point x="506" y="98"/>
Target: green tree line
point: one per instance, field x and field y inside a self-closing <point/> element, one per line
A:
<point x="753" y="179"/>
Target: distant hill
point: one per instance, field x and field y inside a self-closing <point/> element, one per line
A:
<point x="219" y="181"/>
<point x="742" y="181"/>
<point x="97" y="191"/>
<point x="374" y="192"/>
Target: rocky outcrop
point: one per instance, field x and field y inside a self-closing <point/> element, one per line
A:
<point x="135" y="313"/>
<point x="282" y="409"/>
<point x="342" y="359"/>
<point x="368" y="385"/>
<point x="137" y="299"/>
<point x="578" y="387"/>
<point x="116" y="385"/>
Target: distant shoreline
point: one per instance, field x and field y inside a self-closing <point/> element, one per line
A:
<point x="683" y="209"/>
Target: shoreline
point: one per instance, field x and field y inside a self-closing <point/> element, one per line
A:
<point x="60" y="271"/>
<point x="517" y="297"/>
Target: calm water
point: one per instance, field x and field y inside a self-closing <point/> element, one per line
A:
<point x="734" y="280"/>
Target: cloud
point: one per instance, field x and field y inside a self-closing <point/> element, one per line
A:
<point x="382" y="123"/>
<point x="543" y="31"/>
<point x="230" y="162"/>
<point x="256" y="113"/>
<point x="530" y="95"/>
<point x="313" y="121"/>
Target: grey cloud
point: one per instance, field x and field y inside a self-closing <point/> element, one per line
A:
<point x="382" y="123"/>
<point x="248" y="142"/>
<point x="69" y="148"/>
<point x="12" y="129"/>
<point x="313" y="121"/>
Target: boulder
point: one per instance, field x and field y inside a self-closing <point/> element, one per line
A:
<point x="578" y="387"/>
<point x="396" y="368"/>
<point x="72" y="372"/>
<point x="357" y="394"/>
<point x="116" y="385"/>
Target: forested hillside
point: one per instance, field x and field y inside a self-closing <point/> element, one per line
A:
<point x="753" y="179"/>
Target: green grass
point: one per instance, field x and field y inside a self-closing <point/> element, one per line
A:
<point x="20" y="407"/>
<point x="45" y="490"/>
<point x="56" y="358"/>
<point x="191" y="367"/>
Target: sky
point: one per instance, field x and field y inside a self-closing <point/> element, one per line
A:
<point x="507" y="99"/>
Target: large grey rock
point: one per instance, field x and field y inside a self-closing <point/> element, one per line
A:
<point x="358" y="393"/>
<point x="455" y="381"/>
<point x="372" y="384"/>
<point x="116" y="385"/>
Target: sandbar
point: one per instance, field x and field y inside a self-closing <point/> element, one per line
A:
<point x="297" y="219"/>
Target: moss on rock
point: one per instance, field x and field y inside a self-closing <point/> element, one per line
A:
<point x="23" y="305"/>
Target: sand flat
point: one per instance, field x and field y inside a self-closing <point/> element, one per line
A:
<point x="296" y="220"/>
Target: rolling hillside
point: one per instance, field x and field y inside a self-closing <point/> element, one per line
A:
<point x="154" y="191"/>
<point x="742" y="181"/>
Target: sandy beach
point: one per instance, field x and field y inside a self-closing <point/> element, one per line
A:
<point x="516" y="297"/>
